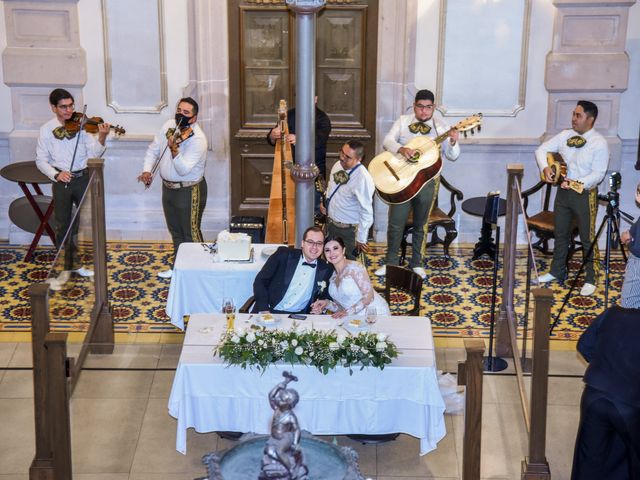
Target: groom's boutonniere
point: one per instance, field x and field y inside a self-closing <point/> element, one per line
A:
<point x="341" y="177"/>
<point x="321" y="286"/>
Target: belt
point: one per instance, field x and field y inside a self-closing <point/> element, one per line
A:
<point x="177" y="185"/>
<point x="76" y="174"/>
<point x="340" y="224"/>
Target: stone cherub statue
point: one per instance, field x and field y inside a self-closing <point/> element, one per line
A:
<point x="282" y="457"/>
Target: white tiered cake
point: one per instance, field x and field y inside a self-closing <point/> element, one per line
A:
<point x="234" y="246"/>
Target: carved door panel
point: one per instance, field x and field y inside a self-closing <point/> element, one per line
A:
<point x="262" y="71"/>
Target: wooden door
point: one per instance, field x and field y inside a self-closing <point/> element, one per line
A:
<point x="262" y="71"/>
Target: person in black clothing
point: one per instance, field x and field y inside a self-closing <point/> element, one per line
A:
<point x="608" y="441"/>
<point x="291" y="279"/>
<point x="323" y="129"/>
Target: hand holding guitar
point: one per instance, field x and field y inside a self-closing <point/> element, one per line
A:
<point x="548" y="175"/>
<point x="407" y="153"/>
<point x="453" y="136"/>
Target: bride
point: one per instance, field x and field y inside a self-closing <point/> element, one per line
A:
<point x="349" y="286"/>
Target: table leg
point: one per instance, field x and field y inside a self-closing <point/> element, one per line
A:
<point x="44" y="219"/>
<point x="485" y="245"/>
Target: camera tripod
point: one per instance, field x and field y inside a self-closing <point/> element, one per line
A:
<point x="611" y="219"/>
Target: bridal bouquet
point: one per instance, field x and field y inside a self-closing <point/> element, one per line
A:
<point x="324" y="350"/>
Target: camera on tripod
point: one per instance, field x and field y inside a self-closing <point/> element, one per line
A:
<point x="612" y="197"/>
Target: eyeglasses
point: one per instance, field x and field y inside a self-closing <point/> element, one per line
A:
<point x="314" y="244"/>
<point x="71" y="106"/>
<point x="424" y="107"/>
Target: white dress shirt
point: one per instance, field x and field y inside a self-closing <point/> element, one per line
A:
<point x="399" y="135"/>
<point x="52" y="153"/>
<point x="353" y="201"/>
<point x="188" y="165"/>
<point x="587" y="164"/>
<point x="300" y="289"/>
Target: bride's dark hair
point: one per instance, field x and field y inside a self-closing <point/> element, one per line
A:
<point x="335" y="239"/>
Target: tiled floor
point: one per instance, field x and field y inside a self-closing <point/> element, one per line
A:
<point x="121" y="429"/>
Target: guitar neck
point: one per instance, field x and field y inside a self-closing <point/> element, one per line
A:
<point x="441" y="138"/>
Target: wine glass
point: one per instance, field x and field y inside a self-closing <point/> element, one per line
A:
<point x="229" y="309"/>
<point x="372" y="315"/>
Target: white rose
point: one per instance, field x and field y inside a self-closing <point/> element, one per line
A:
<point x="235" y="339"/>
<point x="284" y="344"/>
<point x="341" y="338"/>
<point x="294" y="342"/>
<point x="333" y="346"/>
<point x="298" y="351"/>
<point x="251" y="337"/>
<point x="381" y="337"/>
<point x="381" y="346"/>
<point x="261" y="342"/>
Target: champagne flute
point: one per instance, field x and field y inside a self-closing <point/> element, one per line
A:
<point x="229" y="309"/>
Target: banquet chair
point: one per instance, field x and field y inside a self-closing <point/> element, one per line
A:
<point x="542" y="223"/>
<point x="437" y="218"/>
<point x="248" y="305"/>
<point x="403" y="279"/>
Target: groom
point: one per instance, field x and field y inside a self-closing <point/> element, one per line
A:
<point x="291" y="279"/>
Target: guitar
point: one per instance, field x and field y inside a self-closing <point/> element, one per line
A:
<point x="559" y="168"/>
<point x="398" y="179"/>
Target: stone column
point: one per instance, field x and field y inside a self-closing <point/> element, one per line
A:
<point x="304" y="169"/>
<point x="588" y="62"/>
<point x="43" y="52"/>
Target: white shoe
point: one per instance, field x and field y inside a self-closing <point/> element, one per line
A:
<point x="84" y="272"/>
<point x="587" y="290"/>
<point x="420" y="271"/>
<point x="382" y="271"/>
<point x="546" y="278"/>
<point x="166" y="274"/>
<point x="53" y="284"/>
<point x="64" y="277"/>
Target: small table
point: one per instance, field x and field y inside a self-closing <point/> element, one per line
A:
<point x="36" y="219"/>
<point x="199" y="284"/>
<point x="476" y="206"/>
<point x="209" y="395"/>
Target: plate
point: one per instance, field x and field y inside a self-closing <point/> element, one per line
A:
<point x="262" y="323"/>
<point x="350" y="326"/>
<point x="267" y="252"/>
<point x="206" y="330"/>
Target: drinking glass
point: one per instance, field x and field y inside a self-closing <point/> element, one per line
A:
<point x="372" y="315"/>
<point x="229" y="309"/>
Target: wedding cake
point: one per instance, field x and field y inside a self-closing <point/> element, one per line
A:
<point x="234" y="246"/>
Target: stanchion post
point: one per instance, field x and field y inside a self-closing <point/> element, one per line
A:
<point x="470" y="375"/>
<point x="535" y="466"/>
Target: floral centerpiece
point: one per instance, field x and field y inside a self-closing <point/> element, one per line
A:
<point x="324" y="350"/>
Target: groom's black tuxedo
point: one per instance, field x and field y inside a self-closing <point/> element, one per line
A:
<point x="272" y="281"/>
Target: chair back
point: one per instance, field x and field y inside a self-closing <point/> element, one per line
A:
<point x="406" y="280"/>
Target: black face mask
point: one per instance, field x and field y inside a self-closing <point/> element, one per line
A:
<point x="181" y="120"/>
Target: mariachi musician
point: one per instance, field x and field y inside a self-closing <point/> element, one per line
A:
<point x="62" y="155"/>
<point x="407" y="127"/>
<point x="179" y="152"/>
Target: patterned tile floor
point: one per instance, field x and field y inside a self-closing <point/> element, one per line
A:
<point x="456" y="295"/>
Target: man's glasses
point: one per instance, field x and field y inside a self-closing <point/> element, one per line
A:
<point x="71" y="106"/>
<point x="423" y="107"/>
<point x="314" y="244"/>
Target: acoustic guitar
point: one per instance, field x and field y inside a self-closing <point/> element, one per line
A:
<point x="559" y="168"/>
<point x="398" y="179"/>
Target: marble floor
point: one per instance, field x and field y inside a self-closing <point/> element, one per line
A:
<point x="121" y="429"/>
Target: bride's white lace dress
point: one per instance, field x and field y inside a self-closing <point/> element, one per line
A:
<point x="352" y="291"/>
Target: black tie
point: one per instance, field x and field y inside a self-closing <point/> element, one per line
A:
<point x="307" y="264"/>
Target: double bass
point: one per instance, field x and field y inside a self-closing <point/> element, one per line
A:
<point x="282" y="199"/>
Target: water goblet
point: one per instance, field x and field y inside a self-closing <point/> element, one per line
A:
<point x="372" y="315"/>
<point x="229" y="309"/>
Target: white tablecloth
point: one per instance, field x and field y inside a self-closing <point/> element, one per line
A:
<point x="199" y="284"/>
<point x="210" y="396"/>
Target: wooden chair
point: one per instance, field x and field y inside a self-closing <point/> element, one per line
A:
<point x="437" y="218"/>
<point x="248" y="305"/>
<point x="542" y="223"/>
<point x="406" y="280"/>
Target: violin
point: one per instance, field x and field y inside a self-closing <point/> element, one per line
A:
<point x="72" y="126"/>
<point x="180" y="135"/>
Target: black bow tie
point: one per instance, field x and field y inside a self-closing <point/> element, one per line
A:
<point x="307" y="264"/>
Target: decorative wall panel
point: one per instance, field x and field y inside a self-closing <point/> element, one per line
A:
<point x="482" y="62"/>
<point x="136" y="79"/>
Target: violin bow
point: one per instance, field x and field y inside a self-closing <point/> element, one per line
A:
<point x="83" y="122"/>
<point x="154" y="169"/>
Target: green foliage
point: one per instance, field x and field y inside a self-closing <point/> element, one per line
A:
<point x="324" y="350"/>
